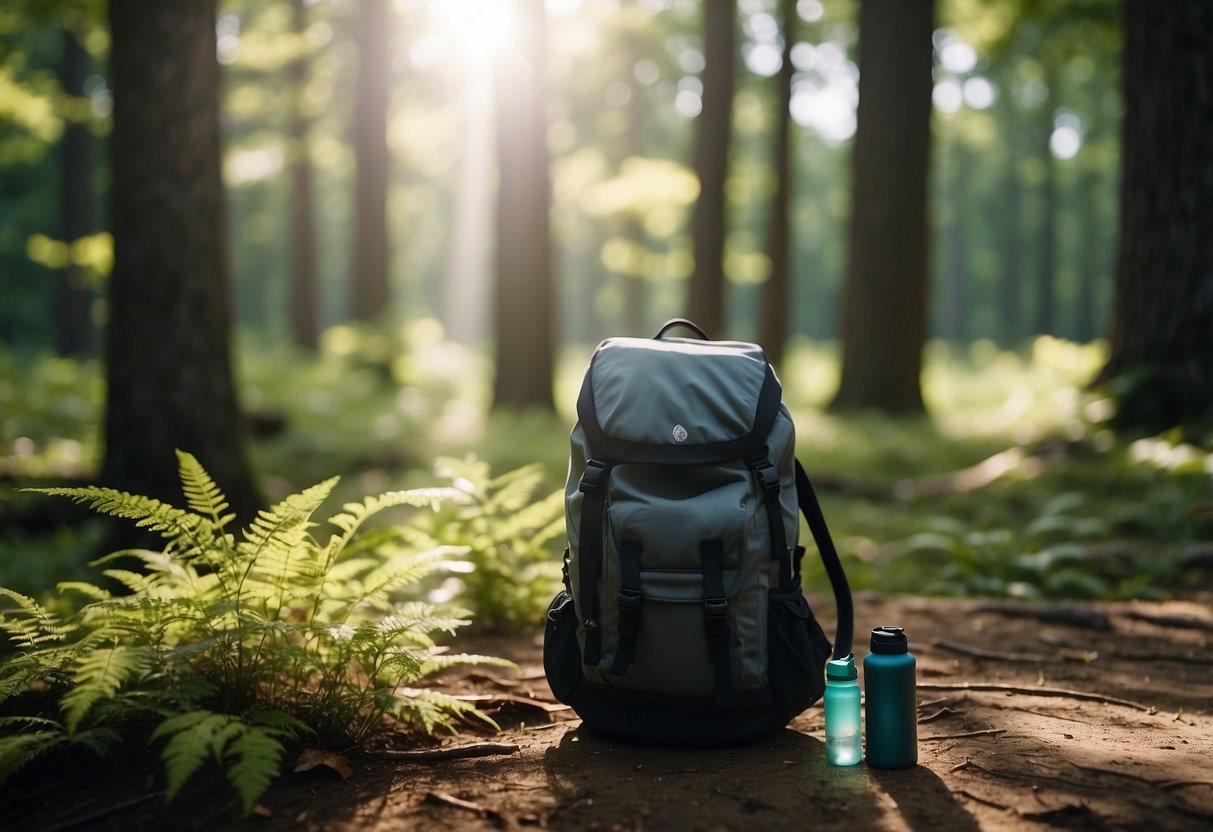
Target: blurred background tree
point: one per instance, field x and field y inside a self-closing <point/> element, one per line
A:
<point x="438" y="206"/>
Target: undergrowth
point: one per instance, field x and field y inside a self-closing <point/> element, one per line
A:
<point x="231" y="648"/>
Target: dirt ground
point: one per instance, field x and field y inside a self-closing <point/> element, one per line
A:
<point x="1093" y="717"/>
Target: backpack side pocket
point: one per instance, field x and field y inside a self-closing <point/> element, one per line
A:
<point x="561" y="653"/>
<point x="797" y="653"/>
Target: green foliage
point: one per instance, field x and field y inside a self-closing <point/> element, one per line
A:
<point x="234" y="646"/>
<point x="511" y="539"/>
<point x="1046" y="558"/>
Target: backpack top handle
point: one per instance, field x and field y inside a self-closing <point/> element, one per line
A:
<point x="673" y="322"/>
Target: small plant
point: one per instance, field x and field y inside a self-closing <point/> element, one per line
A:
<point x="229" y="648"/>
<point x="511" y="538"/>
<point x="1043" y="559"/>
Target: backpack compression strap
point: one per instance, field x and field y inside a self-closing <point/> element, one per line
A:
<point x="829" y="556"/>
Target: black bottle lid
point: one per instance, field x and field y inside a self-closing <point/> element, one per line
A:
<point x="889" y="640"/>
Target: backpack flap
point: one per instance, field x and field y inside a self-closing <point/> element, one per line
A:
<point x="677" y="401"/>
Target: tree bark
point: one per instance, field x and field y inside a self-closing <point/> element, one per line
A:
<point x="1161" y="363"/>
<point x="884" y="298"/>
<point x="168" y="366"/>
<point x="1010" y="277"/>
<point x="75" y="333"/>
<point x="776" y="295"/>
<point x="525" y="304"/>
<point x="705" y="301"/>
<point x="1046" y="266"/>
<point x="303" y="281"/>
<point x="956" y="303"/>
<point x="369" y="292"/>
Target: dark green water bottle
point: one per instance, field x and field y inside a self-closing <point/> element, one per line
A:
<point x="891" y="710"/>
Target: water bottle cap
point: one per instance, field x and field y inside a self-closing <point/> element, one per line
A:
<point x="842" y="670"/>
<point x="889" y="640"/>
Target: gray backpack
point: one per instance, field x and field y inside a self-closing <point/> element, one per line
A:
<point x="682" y="619"/>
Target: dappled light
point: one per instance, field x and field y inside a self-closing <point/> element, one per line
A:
<point x="408" y="405"/>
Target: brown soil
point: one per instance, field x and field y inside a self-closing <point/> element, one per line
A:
<point x="1017" y="755"/>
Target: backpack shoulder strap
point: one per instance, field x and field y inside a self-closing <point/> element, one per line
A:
<point x="829" y="556"/>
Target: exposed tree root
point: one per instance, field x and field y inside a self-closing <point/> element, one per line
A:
<point x="991" y="687"/>
<point x="1073" y="615"/>
<point x="457" y="752"/>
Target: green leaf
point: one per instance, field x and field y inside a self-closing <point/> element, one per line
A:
<point x="97" y="675"/>
<point x="201" y="493"/>
<point x="254" y="759"/>
<point x="192" y="739"/>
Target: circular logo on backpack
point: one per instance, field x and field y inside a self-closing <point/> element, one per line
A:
<point x="680" y="433"/>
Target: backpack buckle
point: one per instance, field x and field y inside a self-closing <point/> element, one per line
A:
<point x="629" y="612"/>
<point x="716" y="622"/>
<point x="769" y="476"/>
<point x="591" y="479"/>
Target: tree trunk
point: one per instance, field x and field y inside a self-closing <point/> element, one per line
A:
<point x="1046" y="266"/>
<point x="956" y="302"/>
<point x="370" y="296"/>
<point x="1085" y="327"/>
<point x="525" y="306"/>
<point x="705" y="301"/>
<point x="884" y="298"/>
<point x="1010" y="277"/>
<point x="303" y="281"/>
<point x="1161" y="332"/>
<point x="169" y="367"/>
<point x="777" y="293"/>
<point x="75" y="333"/>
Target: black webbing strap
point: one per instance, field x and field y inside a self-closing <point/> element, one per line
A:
<point x="829" y="556"/>
<point x="628" y="603"/>
<point x="768" y="476"/>
<point x="593" y="486"/>
<point x="716" y="619"/>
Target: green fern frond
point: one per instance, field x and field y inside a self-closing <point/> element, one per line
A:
<point x="439" y="661"/>
<point x="513" y="490"/>
<point x="188" y="531"/>
<point x="16" y="750"/>
<point x="434" y="709"/>
<point x="254" y="759"/>
<point x="288" y="517"/>
<point x="545" y="515"/>
<point x="402" y="570"/>
<point x="192" y="736"/>
<point x="355" y="514"/>
<point x="30" y="624"/>
<point x="98" y="675"/>
<point x="201" y="493"/>
<point x="86" y="589"/>
<point x="420" y="617"/>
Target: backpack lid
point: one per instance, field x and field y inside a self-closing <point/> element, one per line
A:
<point x="677" y="401"/>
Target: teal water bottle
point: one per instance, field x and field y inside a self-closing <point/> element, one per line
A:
<point x="841" y="702"/>
<point x="891" y="710"/>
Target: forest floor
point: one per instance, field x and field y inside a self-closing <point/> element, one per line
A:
<point x="1030" y="717"/>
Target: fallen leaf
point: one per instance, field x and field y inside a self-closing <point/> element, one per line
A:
<point x="309" y="758"/>
<point x="261" y="811"/>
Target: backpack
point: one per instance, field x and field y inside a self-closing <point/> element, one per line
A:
<point x="682" y="618"/>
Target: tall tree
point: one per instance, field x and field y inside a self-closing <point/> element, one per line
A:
<point x="776" y="294"/>
<point x="956" y="299"/>
<point x="705" y="302"/>
<point x="1161" y="332"/>
<point x="168" y="354"/>
<point x="369" y="292"/>
<point x="302" y="282"/>
<point x="75" y="332"/>
<point x="525" y="308"/>
<point x="1046" y="265"/>
<point x="884" y="298"/>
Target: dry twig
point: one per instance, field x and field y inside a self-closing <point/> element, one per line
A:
<point x="964" y="735"/>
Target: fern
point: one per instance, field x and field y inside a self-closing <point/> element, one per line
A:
<point x="237" y="644"/>
<point x="201" y="493"/>
<point x="97" y="676"/>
